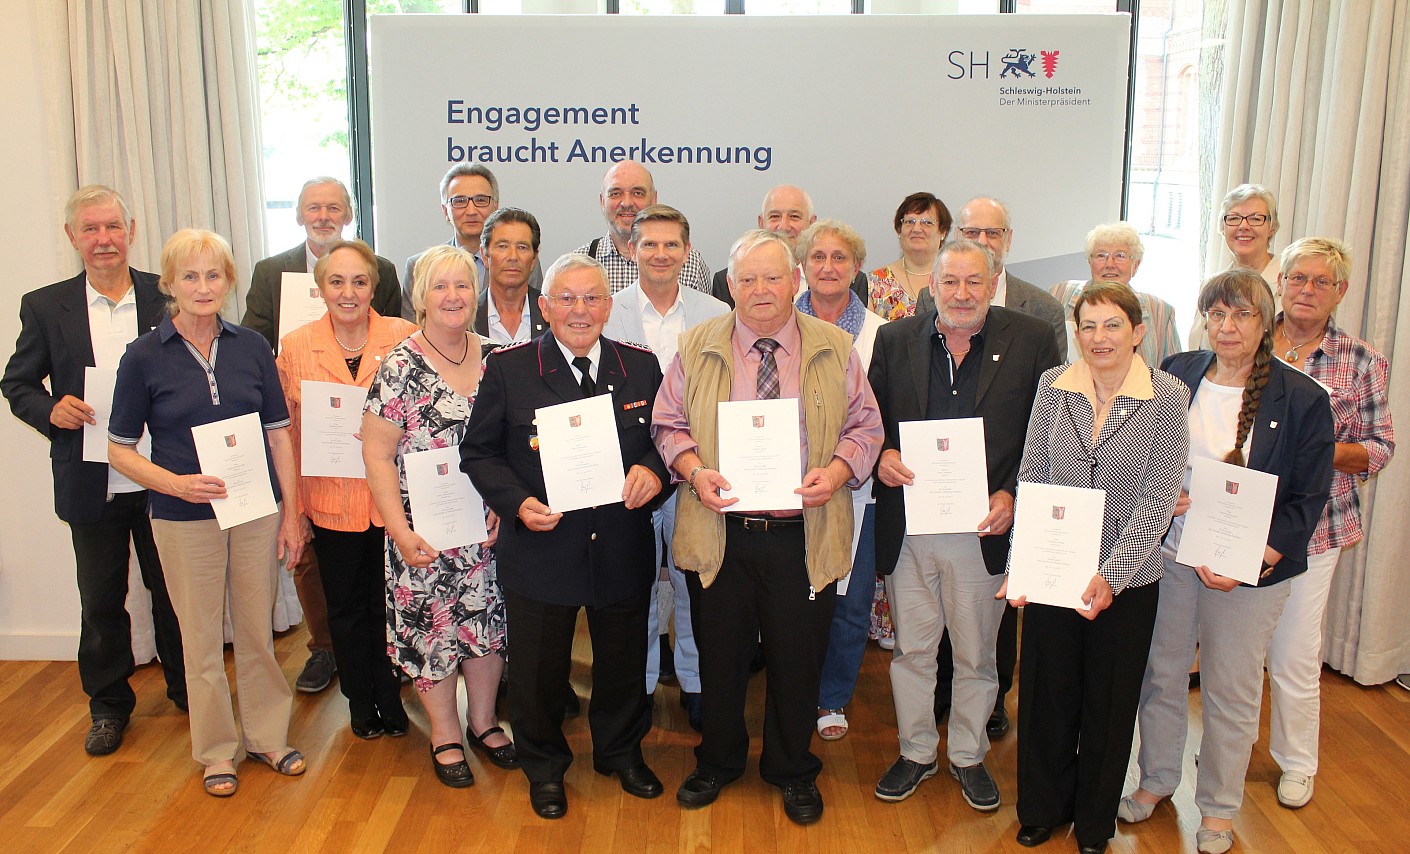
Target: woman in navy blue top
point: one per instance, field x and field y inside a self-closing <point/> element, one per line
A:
<point x="196" y="368"/>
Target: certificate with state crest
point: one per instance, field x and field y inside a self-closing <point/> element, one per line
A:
<point x="1057" y="543"/>
<point x="1226" y="527"/>
<point x="581" y="453"/>
<point x="950" y="494"/>
<point x="760" y="454"/>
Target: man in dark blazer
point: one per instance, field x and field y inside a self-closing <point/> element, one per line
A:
<point x="552" y="564"/>
<point x="787" y="210"/>
<point x="325" y="209"/>
<point x="509" y="312"/>
<point x="103" y="509"/>
<point x="966" y="360"/>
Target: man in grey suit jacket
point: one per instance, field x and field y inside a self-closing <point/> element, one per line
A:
<point x="325" y="209"/>
<point x="104" y="510"/>
<point x="509" y="312"/>
<point x="968" y="360"/>
<point x="654" y="311"/>
<point x="469" y="197"/>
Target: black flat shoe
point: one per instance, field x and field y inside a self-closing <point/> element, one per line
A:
<point x="368" y="728"/>
<point x="802" y="802"/>
<point x="1033" y="835"/>
<point x="396" y="727"/>
<point x="503" y="756"/>
<point x="548" y="799"/>
<point x="457" y="775"/>
<point x="639" y="782"/>
<point x="699" y="789"/>
<point x="1094" y="848"/>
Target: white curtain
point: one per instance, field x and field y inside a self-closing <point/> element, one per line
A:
<point x="164" y="108"/>
<point x="1315" y="104"/>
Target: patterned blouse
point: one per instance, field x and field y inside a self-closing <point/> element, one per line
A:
<point x="887" y="297"/>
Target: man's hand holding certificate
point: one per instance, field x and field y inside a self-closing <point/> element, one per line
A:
<point x="949" y="493"/>
<point x="331" y="415"/>
<point x="1226" y="527"/>
<point x="581" y="453"/>
<point x="233" y="450"/>
<point x="1057" y="542"/>
<point x="759" y="454"/>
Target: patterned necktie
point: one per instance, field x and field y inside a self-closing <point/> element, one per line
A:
<point x="584" y="365"/>
<point x="766" y="383"/>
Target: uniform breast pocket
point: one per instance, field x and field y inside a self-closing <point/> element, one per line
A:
<point x="634" y="428"/>
<point x="523" y="429"/>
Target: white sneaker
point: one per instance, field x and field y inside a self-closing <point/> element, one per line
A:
<point x="1403" y="680"/>
<point x="1294" y="789"/>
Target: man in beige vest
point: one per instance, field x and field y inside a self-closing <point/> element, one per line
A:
<point x="767" y="573"/>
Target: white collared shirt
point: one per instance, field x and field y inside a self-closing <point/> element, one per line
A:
<point x="662" y="332"/>
<point x="594" y="355"/>
<point x="309" y="257"/>
<point x="497" y="333"/>
<point x="111" y="327"/>
<point x="1001" y="294"/>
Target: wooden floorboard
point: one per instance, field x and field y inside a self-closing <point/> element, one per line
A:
<point x="381" y="795"/>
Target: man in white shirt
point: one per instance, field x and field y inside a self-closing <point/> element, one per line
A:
<point x="509" y="305"/>
<point x="65" y="329"/>
<point x="654" y="311"/>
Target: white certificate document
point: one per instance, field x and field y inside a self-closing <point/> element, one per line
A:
<point x="951" y="490"/>
<point x="581" y="453"/>
<point x="233" y="450"/>
<point x="300" y="303"/>
<point x="330" y="414"/>
<point x="1226" y="527"/>
<point x="759" y="442"/>
<point x="98" y="393"/>
<point x="445" y="508"/>
<point x="1057" y="543"/>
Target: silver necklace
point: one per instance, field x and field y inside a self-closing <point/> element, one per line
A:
<point x="1291" y="355"/>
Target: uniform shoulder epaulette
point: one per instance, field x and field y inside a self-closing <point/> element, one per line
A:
<point x="515" y="346"/>
<point x="635" y="346"/>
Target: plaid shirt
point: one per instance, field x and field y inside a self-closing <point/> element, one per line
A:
<point x="621" y="270"/>
<point x="1356" y="376"/>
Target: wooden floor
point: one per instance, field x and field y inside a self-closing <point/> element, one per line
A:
<point x="381" y="795"/>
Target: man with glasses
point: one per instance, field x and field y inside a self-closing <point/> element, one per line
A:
<point x="974" y="360"/>
<point x="469" y="197"/>
<point x="627" y="188"/>
<point x="552" y="564"/>
<point x="325" y="209"/>
<point x="986" y="221"/>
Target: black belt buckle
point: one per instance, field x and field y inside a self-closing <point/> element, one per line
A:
<point x="759" y="524"/>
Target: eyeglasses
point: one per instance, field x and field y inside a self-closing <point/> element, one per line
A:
<point x="1118" y="257"/>
<point x="992" y="233"/>
<point x="567" y="301"/>
<point x="460" y="202"/>
<point x="912" y="222"/>
<point x="1255" y="219"/>
<point x="1297" y="281"/>
<point x="1241" y="317"/>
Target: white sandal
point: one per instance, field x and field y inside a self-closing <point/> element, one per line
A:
<point x="834" y="718"/>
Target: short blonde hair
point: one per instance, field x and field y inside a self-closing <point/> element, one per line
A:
<point x="320" y="269"/>
<point x="430" y="265"/>
<point x="182" y="247"/>
<point x="1329" y="249"/>
<point x="844" y="232"/>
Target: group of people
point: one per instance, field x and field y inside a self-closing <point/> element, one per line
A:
<point x="1082" y="386"/>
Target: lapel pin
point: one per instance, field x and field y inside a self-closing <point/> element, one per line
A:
<point x="996" y="357"/>
<point x="611" y="388"/>
<point x="1272" y="425"/>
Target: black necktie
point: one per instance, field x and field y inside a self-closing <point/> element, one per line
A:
<point x="584" y="365"/>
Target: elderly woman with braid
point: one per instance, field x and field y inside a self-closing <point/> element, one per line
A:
<point x="1249" y="409"/>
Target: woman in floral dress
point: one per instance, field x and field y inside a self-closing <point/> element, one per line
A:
<point x="445" y="611"/>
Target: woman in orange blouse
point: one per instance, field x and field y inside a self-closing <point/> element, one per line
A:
<point x="346" y="346"/>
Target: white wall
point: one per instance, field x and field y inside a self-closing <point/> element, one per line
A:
<point x="38" y="597"/>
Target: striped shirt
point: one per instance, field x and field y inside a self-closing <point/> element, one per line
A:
<point x="622" y="271"/>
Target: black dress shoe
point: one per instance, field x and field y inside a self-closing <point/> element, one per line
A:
<point x="639" y="782"/>
<point x="548" y="799"/>
<point x="368" y="728"/>
<point x="802" y="802"/>
<point x="998" y="725"/>
<point x="457" y="775"/>
<point x="104" y="736"/>
<point x="1094" y="848"/>
<point x="667" y="669"/>
<point x="180" y="701"/>
<point x="396" y="727"/>
<point x="691" y="703"/>
<point x="504" y="756"/>
<point x="699" y="789"/>
<point x="1033" y="835"/>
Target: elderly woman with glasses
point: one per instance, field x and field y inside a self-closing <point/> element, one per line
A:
<point x="922" y="222"/>
<point x="1314" y="279"/>
<point x="1114" y="253"/>
<point x="1249" y="409"/>
<point x="1248" y="218"/>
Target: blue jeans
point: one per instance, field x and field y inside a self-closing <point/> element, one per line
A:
<point x="847" y="639"/>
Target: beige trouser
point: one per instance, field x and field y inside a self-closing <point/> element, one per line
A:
<point x="200" y="562"/>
